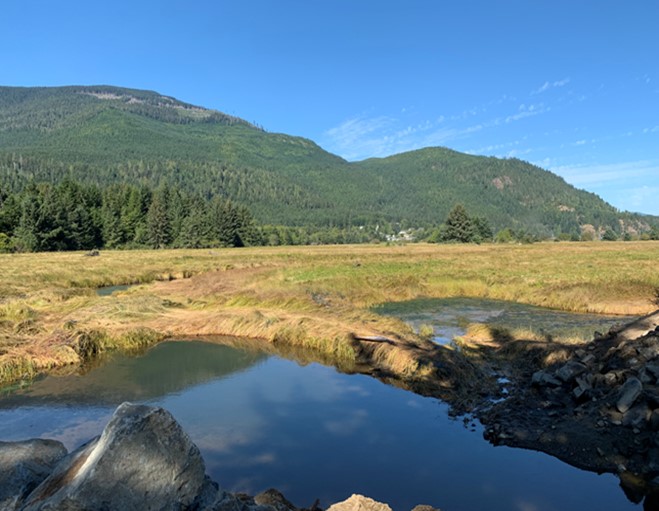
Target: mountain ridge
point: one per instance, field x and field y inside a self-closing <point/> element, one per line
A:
<point x="105" y="134"/>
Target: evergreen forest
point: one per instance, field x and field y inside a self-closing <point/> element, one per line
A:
<point x="126" y="168"/>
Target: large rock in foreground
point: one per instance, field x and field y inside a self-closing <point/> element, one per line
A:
<point x="23" y="465"/>
<point x="143" y="460"/>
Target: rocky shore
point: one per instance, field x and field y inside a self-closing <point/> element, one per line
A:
<point x="142" y="460"/>
<point x="594" y="405"/>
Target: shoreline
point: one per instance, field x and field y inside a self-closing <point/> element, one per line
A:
<point x="310" y="302"/>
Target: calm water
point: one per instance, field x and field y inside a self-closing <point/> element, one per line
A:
<point x="262" y="421"/>
<point x="108" y="290"/>
<point x="450" y="317"/>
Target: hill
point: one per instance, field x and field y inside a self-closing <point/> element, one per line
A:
<point x="104" y="135"/>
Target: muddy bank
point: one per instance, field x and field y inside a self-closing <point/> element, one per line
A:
<point x="593" y="405"/>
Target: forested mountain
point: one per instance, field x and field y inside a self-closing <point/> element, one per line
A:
<point x="102" y="135"/>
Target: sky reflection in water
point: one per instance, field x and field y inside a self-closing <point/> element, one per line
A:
<point x="308" y="431"/>
<point x="450" y="317"/>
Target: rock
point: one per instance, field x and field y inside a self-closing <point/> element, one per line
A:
<point x="584" y="386"/>
<point x="543" y="378"/>
<point x="579" y="393"/>
<point x="571" y="370"/>
<point x="636" y="416"/>
<point x="645" y="376"/>
<point x="23" y="466"/>
<point x="226" y="501"/>
<point x="651" y="395"/>
<point x="143" y="460"/>
<point x="274" y="499"/>
<point x="632" y="485"/>
<point x="653" y="369"/>
<point x="652" y="459"/>
<point x="604" y="380"/>
<point x="584" y="382"/>
<point x="424" y="507"/>
<point x="654" y="420"/>
<point x="359" y="503"/>
<point x="588" y="358"/>
<point x="650" y="352"/>
<point x="629" y="392"/>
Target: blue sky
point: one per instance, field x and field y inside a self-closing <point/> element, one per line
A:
<point x="572" y="86"/>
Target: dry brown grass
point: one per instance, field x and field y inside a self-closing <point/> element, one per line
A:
<point x="311" y="297"/>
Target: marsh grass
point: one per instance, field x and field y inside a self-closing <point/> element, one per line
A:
<point x="312" y="297"/>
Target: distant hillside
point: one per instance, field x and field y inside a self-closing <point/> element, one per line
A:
<point x="104" y="135"/>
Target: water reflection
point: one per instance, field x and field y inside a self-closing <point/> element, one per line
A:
<point x="165" y="369"/>
<point x="108" y="290"/>
<point x="450" y="317"/>
<point x="311" y="432"/>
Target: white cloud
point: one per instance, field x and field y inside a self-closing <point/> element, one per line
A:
<point x="629" y="186"/>
<point x="516" y="153"/>
<point x="493" y="148"/>
<point x="362" y="137"/>
<point x="357" y="128"/>
<point x="527" y="111"/>
<point x="550" y="85"/>
<point x="348" y="425"/>
<point x="369" y="137"/>
<point x="597" y="174"/>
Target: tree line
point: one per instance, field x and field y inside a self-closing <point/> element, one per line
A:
<point x="74" y="216"/>
<point x="461" y="227"/>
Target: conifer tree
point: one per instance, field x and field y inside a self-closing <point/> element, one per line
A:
<point x="159" y="230"/>
<point x="459" y="226"/>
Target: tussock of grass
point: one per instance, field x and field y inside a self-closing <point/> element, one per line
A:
<point x="15" y="311"/>
<point x="398" y="361"/>
<point x="338" y="348"/>
<point x="14" y="368"/>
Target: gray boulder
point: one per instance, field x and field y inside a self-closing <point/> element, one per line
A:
<point x="637" y="416"/>
<point x="571" y="370"/>
<point x="23" y="466"/>
<point x="143" y="460"/>
<point x="225" y="501"/>
<point x="629" y="392"/>
<point x="273" y="498"/>
<point x="543" y="378"/>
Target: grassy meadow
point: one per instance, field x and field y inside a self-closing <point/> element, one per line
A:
<point x="313" y="297"/>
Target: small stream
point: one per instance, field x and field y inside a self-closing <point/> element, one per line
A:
<point x="108" y="290"/>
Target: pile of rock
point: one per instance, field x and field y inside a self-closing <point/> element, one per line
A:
<point x="615" y="375"/>
<point x="142" y="460"/>
<point x="597" y="410"/>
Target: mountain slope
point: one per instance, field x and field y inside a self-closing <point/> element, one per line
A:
<point x="104" y="134"/>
